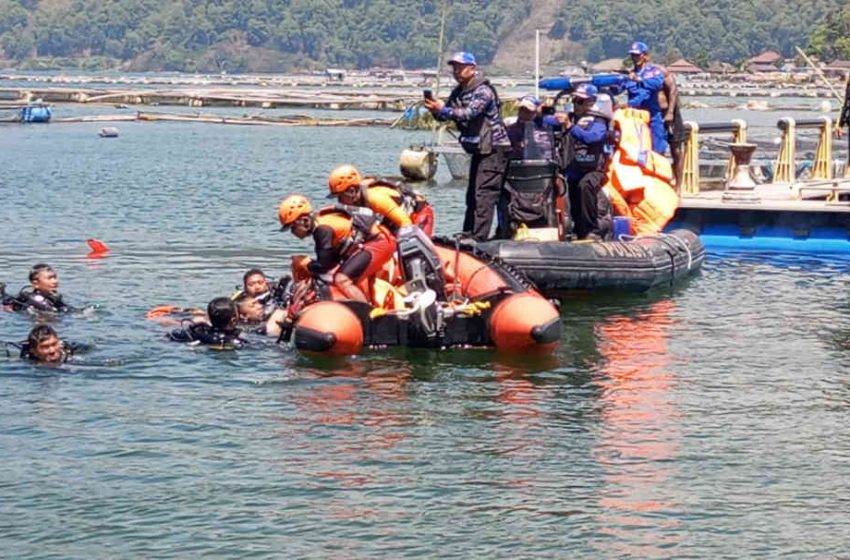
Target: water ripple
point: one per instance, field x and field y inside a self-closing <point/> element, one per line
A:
<point x="705" y="421"/>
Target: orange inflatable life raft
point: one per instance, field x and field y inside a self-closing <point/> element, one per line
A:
<point x="474" y="302"/>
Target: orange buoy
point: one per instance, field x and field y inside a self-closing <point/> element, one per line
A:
<point x="525" y="323"/>
<point x="99" y="249"/>
<point x="328" y="327"/>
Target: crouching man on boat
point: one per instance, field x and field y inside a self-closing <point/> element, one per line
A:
<point x="399" y="205"/>
<point x="346" y="237"/>
<point x="587" y="148"/>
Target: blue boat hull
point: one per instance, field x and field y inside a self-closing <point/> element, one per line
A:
<point x="765" y="230"/>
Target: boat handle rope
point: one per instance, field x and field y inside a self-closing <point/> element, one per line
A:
<point x="671" y="241"/>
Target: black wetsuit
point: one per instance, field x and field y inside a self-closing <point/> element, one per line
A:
<point x="202" y="333"/>
<point x="68" y="351"/>
<point x="38" y="302"/>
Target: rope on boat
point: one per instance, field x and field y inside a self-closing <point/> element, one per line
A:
<point x="671" y="241"/>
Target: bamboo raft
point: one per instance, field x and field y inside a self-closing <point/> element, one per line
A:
<point x="222" y="97"/>
<point x="287" y="120"/>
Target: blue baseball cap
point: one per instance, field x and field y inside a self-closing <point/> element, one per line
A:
<point x="586" y="91"/>
<point x="638" y="47"/>
<point x="529" y="102"/>
<point x="462" y="58"/>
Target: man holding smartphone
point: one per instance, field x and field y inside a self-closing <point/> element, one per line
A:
<point x="474" y="106"/>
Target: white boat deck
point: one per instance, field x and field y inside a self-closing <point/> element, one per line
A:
<point x="809" y="196"/>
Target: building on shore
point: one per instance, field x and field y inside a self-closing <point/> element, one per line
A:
<point x="718" y="67"/>
<point x="682" y="66"/>
<point x="837" y="68"/>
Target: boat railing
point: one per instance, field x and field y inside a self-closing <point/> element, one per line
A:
<point x="690" y="169"/>
<point x="786" y="160"/>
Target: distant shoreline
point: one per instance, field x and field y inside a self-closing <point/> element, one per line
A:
<point x="356" y="91"/>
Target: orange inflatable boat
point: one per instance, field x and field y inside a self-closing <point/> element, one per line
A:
<point x="448" y="296"/>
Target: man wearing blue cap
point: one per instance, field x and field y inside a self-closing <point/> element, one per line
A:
<point x="587" y="132"/>
<point x="643" y="85"/>
<point x="531" y="135"/>
<point x="474" y="106"/>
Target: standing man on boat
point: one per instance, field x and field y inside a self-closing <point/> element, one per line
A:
<point x="668" y="100"/>
<point x="587" y="132"/>
<point x="474" y="106"/>
<point x="531" y="135"/>
<point x="644" y="83"/>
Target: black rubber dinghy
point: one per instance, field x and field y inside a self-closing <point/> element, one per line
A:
<point x="636" y="265"/>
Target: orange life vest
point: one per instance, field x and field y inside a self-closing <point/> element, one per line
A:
<point x="387" y="201"/>
<point x="639" y="179"/>
<point x="339" y="223"/>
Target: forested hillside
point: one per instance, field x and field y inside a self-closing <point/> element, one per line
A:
<point x="701" y="30"/>
<point x="831" y="40"/>
<point x="266" y="35"/>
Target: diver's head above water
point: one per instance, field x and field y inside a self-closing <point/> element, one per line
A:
<point x="250" y="309"/>
<point x="43" y="345"/>
<point x="44" y="279"/>
<point x="254" y="283"/>
<point x="223" y="314"/>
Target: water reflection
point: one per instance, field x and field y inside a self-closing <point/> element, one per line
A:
<point x="639" y="432"/>
<point x="350" y="418"/>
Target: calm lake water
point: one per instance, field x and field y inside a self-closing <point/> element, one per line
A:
<point x="708" y="421"/>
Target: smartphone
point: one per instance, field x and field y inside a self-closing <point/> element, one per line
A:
<point x="428" y="94"/>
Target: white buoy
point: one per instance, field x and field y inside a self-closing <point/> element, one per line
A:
<point x="108" y="132"/>
<point x="826" y="106"/>
<point x="418" y="163"/>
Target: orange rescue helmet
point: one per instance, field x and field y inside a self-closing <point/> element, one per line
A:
<point x="342" y="178"/>
<point x="291" y="208"/>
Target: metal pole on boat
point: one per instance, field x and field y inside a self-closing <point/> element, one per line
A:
<point x="820" y="74"/>
<point x="537" y="63"/>
<point x="445" y="5"/>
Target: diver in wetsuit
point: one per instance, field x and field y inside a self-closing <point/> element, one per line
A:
<point x="44" y="346"/>
<point x="253" y="316"/>
<point x="221" y="331"/>
<point x="41" y="296"/>
<point x="269" y="295"/>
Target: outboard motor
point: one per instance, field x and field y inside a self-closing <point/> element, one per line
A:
<point x="419" y="261"/>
